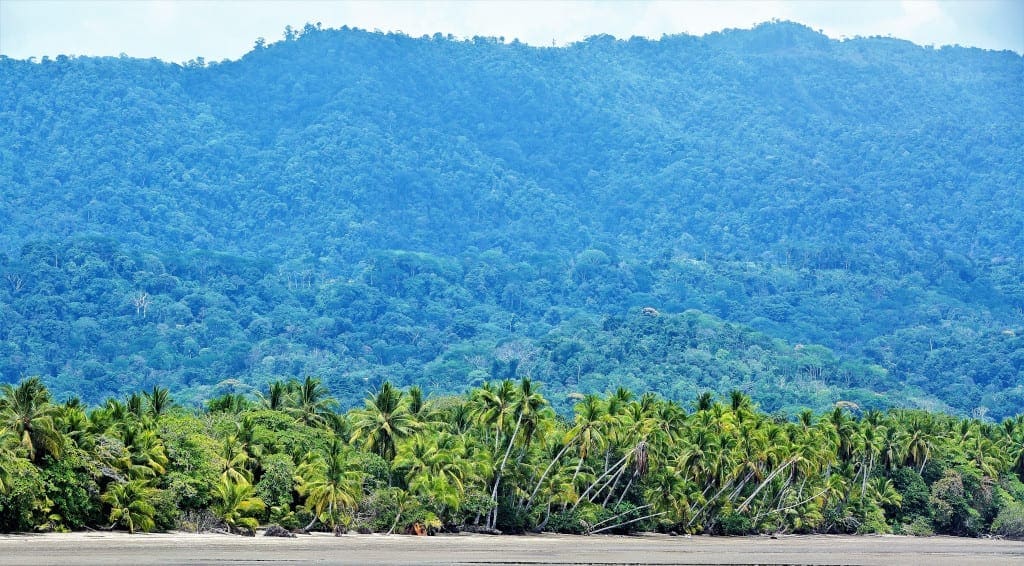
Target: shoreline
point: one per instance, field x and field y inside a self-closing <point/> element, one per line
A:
<point x="100" y="547"/>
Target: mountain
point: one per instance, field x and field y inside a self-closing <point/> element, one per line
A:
<point x="806" y="219"/>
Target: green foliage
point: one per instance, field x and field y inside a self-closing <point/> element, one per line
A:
<point x="952" y="511"/>
<point x="767" y="209"/>
<point x="277" y="483"/>
<point x="235" y="502"/>
<point x="914" y="495"/>
<point x="73" y="491"/>
<point x="20" y="502"/>
<point x="735" y="524"/>
<point x="131" y="505"/>
<point x="498" y="457"/>
<point x="1010" y="521"/>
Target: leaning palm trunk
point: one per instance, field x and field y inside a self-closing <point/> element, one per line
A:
<point x="787" y="508"/>
<point x="610" y="519"/>
<point x="493" y="520"/>
<point x="543" y="476"/>
<point x="311" y="523"/>
<point x="766" y="481"/>
<point x="625" y="490"/>
<point x="598" y="480"/>
<point x="394" y="524"/>
<point x="611" y="490"/>
<point x="708" y="502"/>
<point x="631" y="521"/>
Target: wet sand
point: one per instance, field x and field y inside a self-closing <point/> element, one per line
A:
<point x="184" y="548"/>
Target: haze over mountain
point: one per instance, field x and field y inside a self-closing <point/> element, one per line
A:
<point x="806" y="219"/>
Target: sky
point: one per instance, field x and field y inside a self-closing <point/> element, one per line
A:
<point x="181" y="30"/>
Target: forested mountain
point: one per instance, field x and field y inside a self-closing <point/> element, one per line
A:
<point x="805" y="219"/>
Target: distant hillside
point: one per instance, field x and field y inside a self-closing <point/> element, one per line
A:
<point x="812" y="220"/>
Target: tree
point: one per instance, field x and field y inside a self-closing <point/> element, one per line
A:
<point x="131" y="504"/>
<point x="159" y="400"/>
<point x="331" y="485"/>
<point x="312" y="402"/>
<point x="236" y="503"/>
<point x="384" y="419"/>
<point x="27" y="412"/>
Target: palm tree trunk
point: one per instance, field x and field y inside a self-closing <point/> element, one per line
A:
<point x="611" y="490"/>
<point x="545" y="474"/>
<point x="577" y="472"/>
<point x="625" y="490"/>
<point x="398" y="517"/>
<point x="311" y="523"/>
<point x="628" y="522"/>
<point x="501" y="469"/>
<point x="601" y="477"/>
<point x="707" y="503"/>
<point x="768" y="479"/>
<point x="608" y="520"/>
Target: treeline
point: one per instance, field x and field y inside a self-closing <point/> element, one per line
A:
<point x="499" y="459"/>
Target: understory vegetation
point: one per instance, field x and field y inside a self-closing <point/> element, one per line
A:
<point x="498" y="458"/>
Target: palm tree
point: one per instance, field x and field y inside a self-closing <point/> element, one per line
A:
<point x="26" y="411"/>
<point x="493" y="405"/>
<point x="384" y="419"/>
<point x="526" y="406"/>
<point x="236" y="504"/>
<point x="331" y="485"/>
<point x="134" y="404"/>
<point x="276" y="397"/>
<point x="919" y="446"/>
<point x="312" y="402"/>
<point x="234" y="460"/>
<point x="131" y="504"/>
<point x="159" y="400"/>
<point x="145" y="454"/>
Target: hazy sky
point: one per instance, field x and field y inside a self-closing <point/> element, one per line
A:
<point x="226" y="29"/>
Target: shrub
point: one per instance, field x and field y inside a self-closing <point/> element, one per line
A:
<point x="567" y="521"/>
<point x="921" y="527"/>
<point x="735" y="524"/>
<point x="1010" y="521"/>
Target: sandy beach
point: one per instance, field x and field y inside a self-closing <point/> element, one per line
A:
<point x="186" y="548"/>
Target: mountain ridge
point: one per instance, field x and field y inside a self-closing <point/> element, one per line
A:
<point x="857" y="194"/>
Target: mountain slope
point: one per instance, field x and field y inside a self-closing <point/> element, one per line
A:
<point x="364" y="206"/>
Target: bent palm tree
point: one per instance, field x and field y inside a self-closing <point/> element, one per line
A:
<point x="27" y="412"/>
<point x="131" y="504"/>
<point x="236" y="504"/>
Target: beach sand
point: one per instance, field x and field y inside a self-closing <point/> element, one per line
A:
<point x="185" y="548"/>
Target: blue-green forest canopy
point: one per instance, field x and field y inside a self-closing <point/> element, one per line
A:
<point x="804" y="219"/>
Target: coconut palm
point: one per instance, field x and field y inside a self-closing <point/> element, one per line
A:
<point x="276" y="397"/>
<point x="332" y="485"/>
<point x="27" y="412"/>
<point x="131" y="505"/>
<point x="384" y="419"/>
<point x="234" y="460"/>
<point x="236" y="504"/>
<point x="312" y="402"/>
<point x="158" y="400"/>
<point x="918" y="445"/>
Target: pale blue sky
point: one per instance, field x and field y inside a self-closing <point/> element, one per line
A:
<point x="226" y="29"/>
